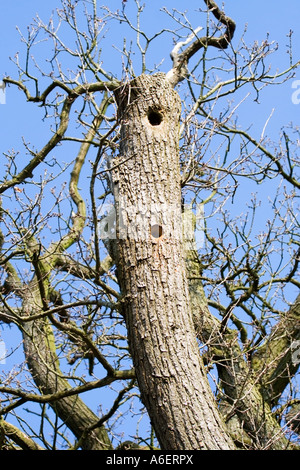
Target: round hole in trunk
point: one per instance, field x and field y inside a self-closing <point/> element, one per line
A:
<point x="155" y="117"/>
<point x="156" y="231"/>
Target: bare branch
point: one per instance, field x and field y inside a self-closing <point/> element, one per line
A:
<point x="180" y="60"/>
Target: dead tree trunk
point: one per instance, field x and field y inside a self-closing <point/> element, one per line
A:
<point x="151" y="270"/>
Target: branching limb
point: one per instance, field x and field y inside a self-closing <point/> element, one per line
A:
<point x="67" y="392"/>
<point x="12" y="433"/>
<point x="181" y="59"/>
<point x="240" y="389"/>
<point x="108" y="415"/>
<point x="273" y="361"/>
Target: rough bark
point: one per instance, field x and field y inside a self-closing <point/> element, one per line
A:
<point x="151" y="270"/>
<point x="18" y="437"/>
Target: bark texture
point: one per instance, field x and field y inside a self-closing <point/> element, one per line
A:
<point x="151" y="269"/>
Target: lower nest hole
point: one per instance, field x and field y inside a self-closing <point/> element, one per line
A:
<point x="156" y="231"/>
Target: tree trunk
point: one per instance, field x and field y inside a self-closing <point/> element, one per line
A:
<point x="151" y="270"/>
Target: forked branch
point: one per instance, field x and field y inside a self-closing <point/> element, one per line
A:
<point x="180" y="60"/>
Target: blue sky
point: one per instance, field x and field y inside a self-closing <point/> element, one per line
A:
<point x="275" y="17"/>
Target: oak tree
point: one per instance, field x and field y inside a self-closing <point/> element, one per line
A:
<point x="104" y="280"/>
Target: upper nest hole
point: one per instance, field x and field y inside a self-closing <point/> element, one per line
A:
<point x="155" y="117"/>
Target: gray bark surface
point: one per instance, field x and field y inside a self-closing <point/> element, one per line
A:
<point x="151" y="269"/>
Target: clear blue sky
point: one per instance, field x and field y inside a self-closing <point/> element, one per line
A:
<point x="268" y="16"/>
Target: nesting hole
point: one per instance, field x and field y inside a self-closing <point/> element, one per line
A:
<point x="156" y="231"/>
<point x="155" y="117"/>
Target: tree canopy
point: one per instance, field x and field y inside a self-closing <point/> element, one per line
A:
<point x="67" y="380"/>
